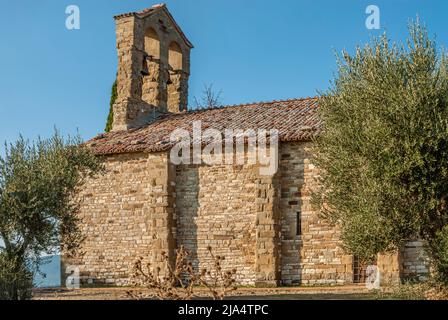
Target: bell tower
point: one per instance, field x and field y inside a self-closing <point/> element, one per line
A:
<point x="153" y="67"/>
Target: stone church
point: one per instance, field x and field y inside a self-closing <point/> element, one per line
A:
<point x="144" y="205"/>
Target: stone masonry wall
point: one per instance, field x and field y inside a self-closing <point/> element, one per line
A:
<point x="125" y="215"/>
<point x="312" y="255"/>
<point x="215" y="206"/>
<point x="241" y="214"/>
<point x="143" y="206"/>
<point x="415" y="263"/>
<point x="232" y="209"/>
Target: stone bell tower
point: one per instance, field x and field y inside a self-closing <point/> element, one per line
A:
<point x="153" y="67"/>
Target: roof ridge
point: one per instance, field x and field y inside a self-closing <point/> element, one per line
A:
<point x="140" y="12"/>
<point x="255" y="103"/>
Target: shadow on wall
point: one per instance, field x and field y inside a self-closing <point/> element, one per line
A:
<point x="187" y="208"/>
<point x="292" y="217"/>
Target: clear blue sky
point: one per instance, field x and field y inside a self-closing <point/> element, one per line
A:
<point x="251" y="49"/>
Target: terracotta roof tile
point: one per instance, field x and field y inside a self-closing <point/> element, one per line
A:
<point x="296" y="120"/>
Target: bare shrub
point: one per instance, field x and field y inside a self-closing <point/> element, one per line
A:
<point x="210" y="98"/>
<point x="182" y="281"/>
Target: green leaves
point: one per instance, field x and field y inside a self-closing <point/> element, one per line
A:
<point x="38" y="184"/>
<point x="383" y="153"/>
<point x="439" y="247"/>
<point x="110" y="117"/>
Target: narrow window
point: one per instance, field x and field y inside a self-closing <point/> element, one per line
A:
<point x="151" y="89"/>
<point x="298" y="224"/>
<point x="176" y="82"/>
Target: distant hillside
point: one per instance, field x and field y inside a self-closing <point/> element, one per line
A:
<point x="52" y="271"/>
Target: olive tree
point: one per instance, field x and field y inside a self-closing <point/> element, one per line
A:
<point x="38" y="184"/>
<point x="383" y="152"/>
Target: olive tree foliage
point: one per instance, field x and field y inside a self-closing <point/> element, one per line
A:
<point x="383" y="152"/>
<point x="38" y="211"/>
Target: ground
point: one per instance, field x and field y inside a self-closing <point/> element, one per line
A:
<point x="289" y="293"/>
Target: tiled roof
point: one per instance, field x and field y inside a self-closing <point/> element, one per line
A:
<point x="296" y="120"/>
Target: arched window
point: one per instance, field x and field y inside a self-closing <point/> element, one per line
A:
<point x="150" y="91"/>
<point x="175" y="56"/>
<point x="152" y="43"/>
<point x="175" y="82"/>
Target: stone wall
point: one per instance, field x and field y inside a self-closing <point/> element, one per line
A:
<point x="143" y="206"/>
<point x="415" y="263"/>
<point x="222" y="205"/>
<point x="215" y="206"/>
<point x="389" y="268"/>
<point x="125" y="215"/>
<point x="232" y="209"/>
<point x="313" y="254"/>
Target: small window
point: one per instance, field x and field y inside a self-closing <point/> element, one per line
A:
<point x="298" y="224"/>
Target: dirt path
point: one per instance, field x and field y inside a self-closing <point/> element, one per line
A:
<point x="120" y="293"/>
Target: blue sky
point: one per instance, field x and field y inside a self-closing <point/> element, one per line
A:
<point x="250" y="49"/>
